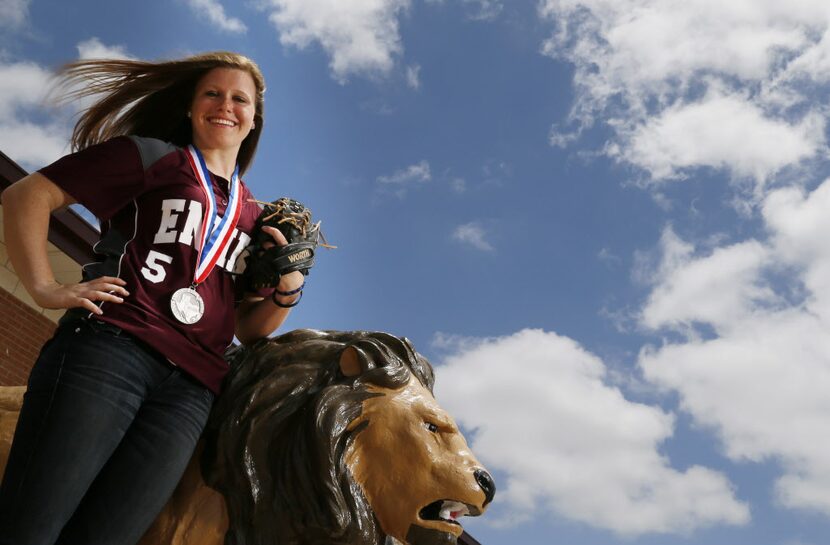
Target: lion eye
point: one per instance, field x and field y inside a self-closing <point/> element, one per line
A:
<point x="431" y="427"/>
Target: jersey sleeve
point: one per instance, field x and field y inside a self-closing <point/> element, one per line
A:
<point x="103" y="178"/>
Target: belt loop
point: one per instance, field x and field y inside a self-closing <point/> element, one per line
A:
<point x="99" y="327"/>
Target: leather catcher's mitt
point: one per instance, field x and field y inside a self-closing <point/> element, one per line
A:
<point x="264" y="265"/>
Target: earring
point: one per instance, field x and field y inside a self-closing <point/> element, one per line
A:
<point x="188" y="114"/>
<point x="253" y="126"/>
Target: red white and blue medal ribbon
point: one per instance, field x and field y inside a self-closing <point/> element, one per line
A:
<point x="214" y="236"/>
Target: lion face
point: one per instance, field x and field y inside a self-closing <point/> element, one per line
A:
<point x="415" y="467"/>
<point x="334" y="437"/>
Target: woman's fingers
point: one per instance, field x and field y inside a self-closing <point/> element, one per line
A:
<point x="85" y="294"/>
<point x="101" y="290"/>
<point x="276" y="234"/>
<point x="88" y="305"/>
<point x="106" y="288"/>
<point x="111" y="280"/>
<point x="98" y="295"/>
<point x="109" y="284"/>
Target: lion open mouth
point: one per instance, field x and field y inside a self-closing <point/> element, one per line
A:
<point x="447" y="511"/>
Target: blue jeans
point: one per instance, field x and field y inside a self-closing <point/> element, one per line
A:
<point x="106" y="431"/>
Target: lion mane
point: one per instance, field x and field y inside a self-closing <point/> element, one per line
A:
<point x="276" y="439"/>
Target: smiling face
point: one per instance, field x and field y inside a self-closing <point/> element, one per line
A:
<point x="223" y="108"/>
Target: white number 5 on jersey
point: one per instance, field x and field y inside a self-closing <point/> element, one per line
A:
<point x="154" y="271"/>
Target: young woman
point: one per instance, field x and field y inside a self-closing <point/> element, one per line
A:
<point x="119" y="396"/>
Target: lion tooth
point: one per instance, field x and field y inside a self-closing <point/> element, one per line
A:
<point x="451" y="510"/>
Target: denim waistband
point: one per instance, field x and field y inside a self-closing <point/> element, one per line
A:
<point x="72" y="321"/>
<point x="98" y="325"/>
<point x="75" y="321"/>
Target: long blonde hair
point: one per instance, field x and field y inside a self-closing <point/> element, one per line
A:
<point x="151" y="98"/>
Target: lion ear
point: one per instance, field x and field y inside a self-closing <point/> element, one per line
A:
<point x="350" y="362"/>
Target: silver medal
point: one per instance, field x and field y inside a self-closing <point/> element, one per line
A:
<point x="187" y="305"/>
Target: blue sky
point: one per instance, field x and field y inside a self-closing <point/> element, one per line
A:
<point x="604" y="221"/>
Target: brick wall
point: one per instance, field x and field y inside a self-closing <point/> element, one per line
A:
<point x="22" y="332"/>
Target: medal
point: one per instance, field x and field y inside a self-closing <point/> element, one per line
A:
<point x="188" y="306"/>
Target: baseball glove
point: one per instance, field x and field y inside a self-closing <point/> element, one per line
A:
<point x="265" y="265"/>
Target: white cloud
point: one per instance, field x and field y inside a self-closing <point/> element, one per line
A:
<point x="32" y="145"/>
<point x="669" y="42"/>
<point x="541" y="412"/>
<point x="652" y="68"/>
<point x="419" y="172"/>
<point x="23" y="88"/>
<point x="401" y="180"/>
<point x="741" y="87"/>
<point x="723" y="132"/>
<point x="608" y="257"/>
<point x="717" y="289"/>
<point x="360" y="36"/>
<point x="413" y="76"/>
<point x="483" y="10"/>
<point x="474" y="235"/>
<point x="811" y="65"/>
<point x="496" y="172"/>
<point x="93" y="48"/>
<point x="214" y="13"/>
<point x="759" y="376"/>
<point x="22" y="85"/>
<point x="13" y="13"/>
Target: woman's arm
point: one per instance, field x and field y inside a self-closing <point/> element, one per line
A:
<point x="27" y="205"/>
<point x="258" y="317"/>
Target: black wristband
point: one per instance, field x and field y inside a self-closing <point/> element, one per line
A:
<point x="281" y="305"/>
<point x="292" y="292"/>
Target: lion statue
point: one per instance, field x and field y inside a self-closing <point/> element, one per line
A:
<point x="322" y="437"/>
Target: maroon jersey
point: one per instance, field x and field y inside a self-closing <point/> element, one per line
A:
<point x="151" y="207"/>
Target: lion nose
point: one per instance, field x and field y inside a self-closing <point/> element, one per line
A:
<point x="485" y="481"/>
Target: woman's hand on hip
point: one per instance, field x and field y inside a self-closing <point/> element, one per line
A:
<point x="85" y="294"/>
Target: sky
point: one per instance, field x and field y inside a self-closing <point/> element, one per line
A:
<point x="603" y="221"/>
